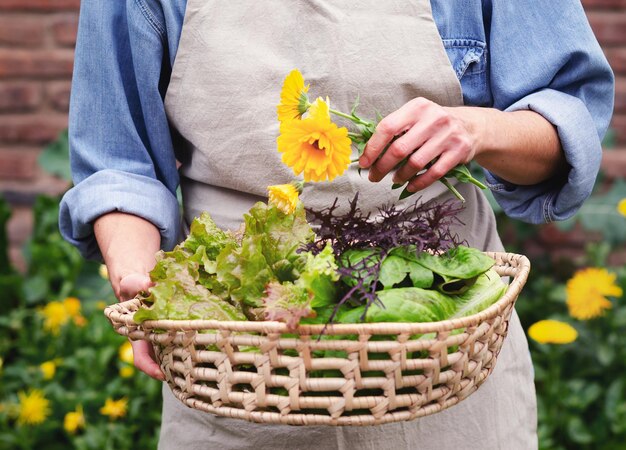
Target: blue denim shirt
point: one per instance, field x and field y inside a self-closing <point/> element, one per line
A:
<point x="509" y="55"/>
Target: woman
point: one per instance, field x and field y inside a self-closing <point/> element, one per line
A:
<point x="521" y="87"/>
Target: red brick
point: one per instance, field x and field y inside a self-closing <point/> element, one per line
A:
<point x="43" y="184"/>
<point x="36" y="64"/>
<point x="58" y="95"/>
<point x="614" y="163"/>
<point x="620" y="94"/>
<point x="20" y="224"/>
<point x="21" y="31"/>
<point x="604" y="4"/>
<point x="617" y="258"/>
<point x="618" y="124"/>
<point x="617" y="59"/>
<point x="17" y="258"/>
<point x="19" y="96"/>
<point x="18" y="164"/>
<point x="31" y="129"/>
<point x="551" y="236"/>
<point x="39" y="5"/>
<point x="609" y="26"/>
<point x="64" y="30"/>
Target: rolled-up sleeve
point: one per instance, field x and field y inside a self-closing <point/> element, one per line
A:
<point x="545" y="58"/>
<point x="120" y="145"/>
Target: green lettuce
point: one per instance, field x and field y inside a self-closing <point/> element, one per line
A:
<point x="245" y="271"/>
<point x="410" y="305"/>
<point x="487" y="290"/>
<point x="400" y="263"/>
<point x="319" y="276"/>
<point x="459" y="263"/>
<point x="205" y="232"/>
<point x="178" y="295"/>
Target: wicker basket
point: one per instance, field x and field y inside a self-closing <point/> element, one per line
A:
<point x="262" y="372"/>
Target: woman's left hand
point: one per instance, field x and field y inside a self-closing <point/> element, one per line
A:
<point x="426" y="131"/>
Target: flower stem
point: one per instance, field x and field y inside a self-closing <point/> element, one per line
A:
<point x="476" y="182"/>
<point x="353" y="119"/>
<point x="452" y="189"/>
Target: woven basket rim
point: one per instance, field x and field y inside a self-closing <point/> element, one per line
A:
<point x="122" y="313"/>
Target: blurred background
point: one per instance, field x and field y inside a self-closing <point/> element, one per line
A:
<point x="67" y="381"/>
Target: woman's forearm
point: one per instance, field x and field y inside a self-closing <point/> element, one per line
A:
<point x="128" y="244"/>
<point x="521" y="147"/>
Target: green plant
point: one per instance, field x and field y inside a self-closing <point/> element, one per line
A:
<point x="42" y="323"/>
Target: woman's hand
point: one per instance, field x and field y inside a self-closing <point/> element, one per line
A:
<point x="427" y="131"/>
<point x="521" y="147"/>
<point x="128" y="244"/>
<point x="143" y="353"/>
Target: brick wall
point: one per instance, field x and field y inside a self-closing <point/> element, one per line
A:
<point x="36" y="57"/>
<point x="608" y="20"/>
<point x="36" y="54"/>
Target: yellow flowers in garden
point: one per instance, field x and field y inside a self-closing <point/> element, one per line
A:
<point x="57" y="314"/>
<point x="125" y="353"/>
<point x="552" y="332"/>
<point x="114" y="409"/>
<point x="586" y="298"/>
<point x="33" y="407"/>
<point x="74" y="420"/>
<point x="48" y="369"/>
<point x="587" y="293"/>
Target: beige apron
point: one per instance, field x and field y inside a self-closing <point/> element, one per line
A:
<point x="231" y="61"/>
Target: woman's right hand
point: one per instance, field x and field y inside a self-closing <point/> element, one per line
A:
<point x="128" y="244"/>
<point x="143" y="352"/>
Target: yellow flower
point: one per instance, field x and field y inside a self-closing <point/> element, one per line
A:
<point x="552" y="332"/>
<point x="293" y="99"/>
<point x="103" y="271"/>
<point x="48" y="369"/>
<point x="127" y="372"/>
<point x="621" y="207"/>
<point x="126" y="352"/>
<point x="74" y="420"/>
<point x="284" y="197"/>
<point x="315" y="146"/>
<point x="33" y="409"/>
<point x="587" y="291"/>
<point x="55" y="316"/>
<point x="72" y="305"/>
<point x="101" y="304"/>
<point x="114" y="408"/>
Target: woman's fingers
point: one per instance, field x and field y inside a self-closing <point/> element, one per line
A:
<point x="143" y="356"/>
<point x="143" y="353"/>
<point x="392" y="125"/>
<point x="431" y="133"/>
<point x="435" y="172"/>
<point x="399" y="150"/>
<point x="132" y="284"/>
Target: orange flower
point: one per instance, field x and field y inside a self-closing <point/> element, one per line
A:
<point x="587" y="291"/>
<point x="552" y="332"/>
<point x="293" y="99"/>
<point x="315" y="146"/>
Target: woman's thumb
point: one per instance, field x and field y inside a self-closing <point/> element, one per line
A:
<point x="132" y="284"/>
